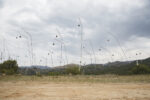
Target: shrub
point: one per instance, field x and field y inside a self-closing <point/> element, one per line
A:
<point x="38" y="74"/>
<point x="72" y="69"/>
<point x="53" y="73"/>
<point x="141" y="69"/>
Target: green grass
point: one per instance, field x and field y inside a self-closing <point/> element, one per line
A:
<point x="81" y="78"/>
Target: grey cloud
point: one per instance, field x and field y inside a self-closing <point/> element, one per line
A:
<point x="1" y="3"/>
<point x="137" y="23"/>
<point x="131" y="23"/>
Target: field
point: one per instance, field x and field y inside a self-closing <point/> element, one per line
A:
<point x="102" y="87"/>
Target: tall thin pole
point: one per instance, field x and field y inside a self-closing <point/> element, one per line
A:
<point x="31" y="43"/>
<point x="88" y="54"/>
<point x="137" y="62"/>
<point x="1" y="57"/>
<point x="81" y="41"/>
<point x="117" y="40"/>
<point x="66" y="53"/>
<point x="52" y="58"/>
<point x="61" y="54"/>
<point x="50" y="53"/>
<point x="92" y="50"/>
<point x="4" y="52"/>
<point x="61" y="41"/>
<point x="28" y="43"/>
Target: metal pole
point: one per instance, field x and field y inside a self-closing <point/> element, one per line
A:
<point x="62" y="43"/>
<point x="81" y="32"/>
<point x="52" y="58"/>
<point x="31" y="45"/>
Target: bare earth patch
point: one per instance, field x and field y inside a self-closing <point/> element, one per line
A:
<point x="30" y="90"/>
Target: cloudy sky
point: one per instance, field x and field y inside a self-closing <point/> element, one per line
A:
<point x="112" y="30"/>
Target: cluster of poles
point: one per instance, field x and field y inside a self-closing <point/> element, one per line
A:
<point x="86" y="48"/>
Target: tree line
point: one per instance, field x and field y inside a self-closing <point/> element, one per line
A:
<point x="10" y="67"/>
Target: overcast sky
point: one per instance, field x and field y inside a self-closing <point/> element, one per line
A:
<point x="112" y="30"/>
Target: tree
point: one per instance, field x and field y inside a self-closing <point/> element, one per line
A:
<point x="9" y="67"/>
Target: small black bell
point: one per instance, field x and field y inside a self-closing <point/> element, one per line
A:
<point x="136" y="54"/>
<point x="108" y="40"/>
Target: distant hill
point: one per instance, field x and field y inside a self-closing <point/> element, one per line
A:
<point x="118" y="67"/>
<point x="32" y="70"/>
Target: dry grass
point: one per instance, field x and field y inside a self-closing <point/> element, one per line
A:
<point x="103" y="87"/>
<point x="81" y="78"/>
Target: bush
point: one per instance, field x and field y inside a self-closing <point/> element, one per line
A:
<point x="53" y="73"/>
<point x="9" y="67"/>
<point x="38" y="74"/>
<point x="141" y="69"/>
<point x="72" y="69"/>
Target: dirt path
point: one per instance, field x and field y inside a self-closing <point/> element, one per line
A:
<point x="73" y="91"/>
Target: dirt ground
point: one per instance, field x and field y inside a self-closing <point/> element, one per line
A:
<point x="31" y="90"/>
